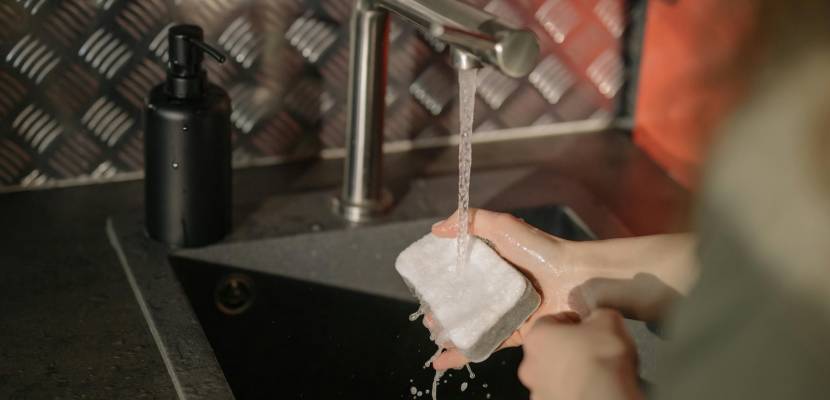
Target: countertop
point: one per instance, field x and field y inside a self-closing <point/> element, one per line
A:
<point x="71" y="328"/>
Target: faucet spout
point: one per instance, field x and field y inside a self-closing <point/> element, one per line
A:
<point x="475" y="37"/>
<point x="512" y="50"/>
<point x="462" y="60"/>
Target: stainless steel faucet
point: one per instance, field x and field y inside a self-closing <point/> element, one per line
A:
<point x="474" y="36"/>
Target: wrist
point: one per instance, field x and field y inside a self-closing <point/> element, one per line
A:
<point x="607" y="276"/>
<point x="598" y="259"/>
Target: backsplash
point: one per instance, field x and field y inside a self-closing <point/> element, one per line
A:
<point x="74" y="73"/>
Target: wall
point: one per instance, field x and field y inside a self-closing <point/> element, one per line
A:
<point x="73" y="75"/>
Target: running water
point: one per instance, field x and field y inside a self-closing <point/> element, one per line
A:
<point x="438" y="375"/>
<point x="467" y="98"/>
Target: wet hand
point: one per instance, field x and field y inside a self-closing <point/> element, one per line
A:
<point x="543" y="258"/>
<point x="594" y="359"/>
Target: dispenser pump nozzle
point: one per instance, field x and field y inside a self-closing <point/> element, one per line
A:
<point x="185" y="76"/>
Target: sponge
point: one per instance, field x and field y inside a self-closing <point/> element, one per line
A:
<point x="475" y="307"/>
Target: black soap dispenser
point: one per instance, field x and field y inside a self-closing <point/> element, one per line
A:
<point x="187" y="148"/>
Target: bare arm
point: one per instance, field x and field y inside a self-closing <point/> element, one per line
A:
<point x="637" y="276"/>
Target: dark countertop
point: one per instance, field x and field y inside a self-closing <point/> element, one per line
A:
<point x="70" y="325"/>
<point x="71" y="328"/>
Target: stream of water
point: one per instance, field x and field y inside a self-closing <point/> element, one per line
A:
<point x="466" y="98"/>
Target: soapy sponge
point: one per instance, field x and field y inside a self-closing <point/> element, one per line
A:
<point x="476" y="307"/>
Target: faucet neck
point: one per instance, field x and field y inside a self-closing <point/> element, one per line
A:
<point x="475" y="37"/>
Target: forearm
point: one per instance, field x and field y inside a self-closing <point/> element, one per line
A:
<point x="639" y="276"/>
<point x="670" y="258"/>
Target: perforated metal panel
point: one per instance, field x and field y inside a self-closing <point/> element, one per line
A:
<point x="74" y="74"/>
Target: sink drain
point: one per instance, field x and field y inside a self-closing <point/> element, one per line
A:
<point x="234" y="294"/>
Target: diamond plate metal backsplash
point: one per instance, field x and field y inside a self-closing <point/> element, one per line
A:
<point x="74" y="74"/>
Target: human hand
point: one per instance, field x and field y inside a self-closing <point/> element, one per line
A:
<point x="543" y="258"/>
<point x="594" y="359"/>
<point x="639" y="276"/>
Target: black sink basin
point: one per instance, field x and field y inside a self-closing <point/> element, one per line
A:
<point x="302" y="340"/>
<point x="325" y="316"/>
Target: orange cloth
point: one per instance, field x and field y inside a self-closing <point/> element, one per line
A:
<point x="693" y="73"/>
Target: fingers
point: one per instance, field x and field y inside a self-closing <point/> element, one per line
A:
<point x="543" y="349"/>
<point x="604" y="292"/>
<point x="605" y="318"/>
<point x="541" y="331"/>
<point x="571" y="359"/>
<point x="483" y="223"/>
<point x="628" y="296"/>
<point x="450" y="359"/>
<point x="545" y="324"/>
<point x="515" y="340"/>
<point x="512" y="238"/>
<point x="643" y="297"/>
<point x="566" y="317"/>
<point x="612" y="321"/>
<point x="428" y="322"/>
<point x="527" y="375"/>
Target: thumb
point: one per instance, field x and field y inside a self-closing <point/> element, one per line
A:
<point x="449" y="359"/>
<point x="514" y="239"/>
<point x="452" y="358"/>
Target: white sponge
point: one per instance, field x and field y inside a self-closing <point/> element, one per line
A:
<point x="475" y="307"/>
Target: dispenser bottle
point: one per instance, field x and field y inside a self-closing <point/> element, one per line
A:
<point x="187" y="148"/>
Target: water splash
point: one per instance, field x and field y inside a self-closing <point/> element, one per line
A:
<point x="434" y="356"/>
<point x="438" y="375"/>
<point x="470" y="370"/>
<point x="466" y="97"/>
<point x="416" y="314"/>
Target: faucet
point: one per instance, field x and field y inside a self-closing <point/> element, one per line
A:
<point x="475" y="37"/>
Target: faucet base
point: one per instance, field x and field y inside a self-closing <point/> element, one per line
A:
<point x="364" y="211"/>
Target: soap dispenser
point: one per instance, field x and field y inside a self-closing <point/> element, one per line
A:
<point x="187" y="148"/>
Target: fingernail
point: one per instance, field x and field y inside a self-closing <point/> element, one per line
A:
<point x="439" y="223"/>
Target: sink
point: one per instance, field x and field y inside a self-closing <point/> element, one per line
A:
<point x="324" y="315"/>
<point x="295" y="303"/>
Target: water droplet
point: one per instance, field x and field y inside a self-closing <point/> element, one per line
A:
<point x="434" y="356"/>
<point x="413" y="390"/>
<point x="463" y="386"/>
<point x="175" y="165"/>
<point x="185" y="128"/>
<point x="435" y="379"/>
<point x="416" y="314"/>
